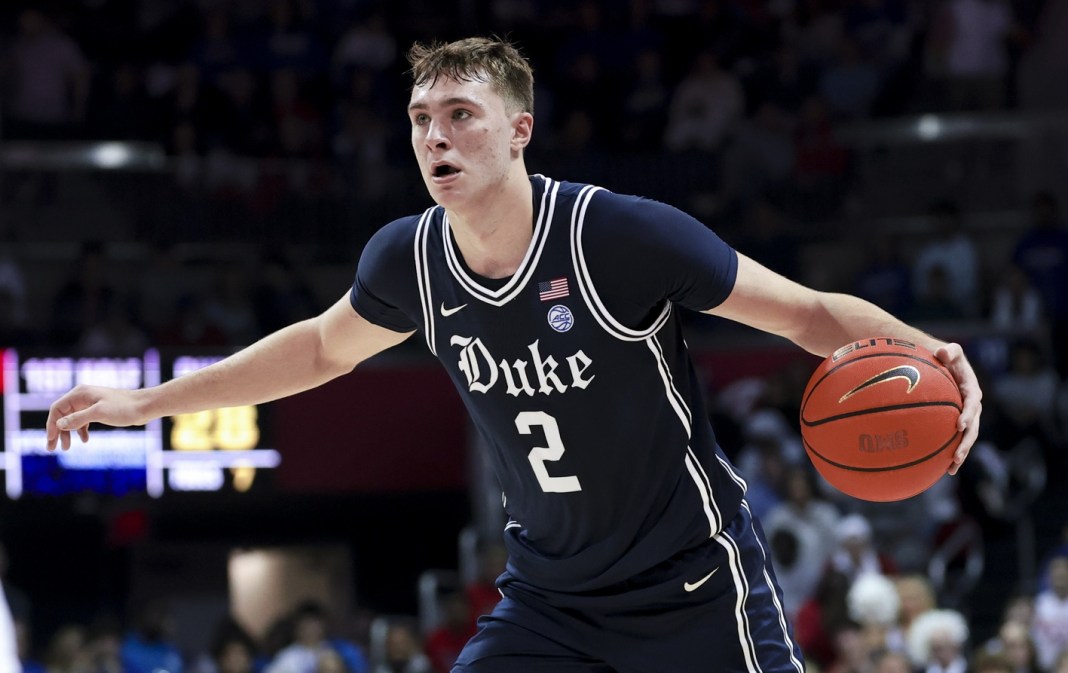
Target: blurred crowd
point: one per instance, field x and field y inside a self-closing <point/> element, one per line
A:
<point x="314" y="90"/>
<point x="853" y="608"/>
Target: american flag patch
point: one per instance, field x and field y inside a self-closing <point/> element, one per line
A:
<point x="553" y="289"/>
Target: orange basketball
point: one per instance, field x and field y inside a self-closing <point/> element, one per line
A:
<point x="879" y="419"/>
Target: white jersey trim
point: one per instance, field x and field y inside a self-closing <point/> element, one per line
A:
<point x="585" y="282"/>
<point x="522" y="276"/>
<point x="422" y="275"/>
<point x="696" y="470"/>
<point x="775" y="596"/>
<point x="741" y="587"/>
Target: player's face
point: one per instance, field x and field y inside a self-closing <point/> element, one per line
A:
<point x="465" y="139"/>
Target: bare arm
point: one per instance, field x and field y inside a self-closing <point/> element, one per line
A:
<point x="820" y="322"/>
<point x="299" y="357"/>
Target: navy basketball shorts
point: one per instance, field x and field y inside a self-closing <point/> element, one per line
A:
<point x="715" y="608"/>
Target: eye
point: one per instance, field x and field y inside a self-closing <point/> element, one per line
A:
<point x="420" y="119"/>
<point x="461" y="115"/>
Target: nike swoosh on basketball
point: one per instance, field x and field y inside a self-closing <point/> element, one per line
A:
<point x="696" y="585"/>
<point x="907" y="372"/>
<point x="446" y="312"/>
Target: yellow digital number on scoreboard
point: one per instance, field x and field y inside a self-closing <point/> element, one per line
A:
<point x="226" y="429"/>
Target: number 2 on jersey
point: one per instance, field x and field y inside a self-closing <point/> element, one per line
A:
<point x="540" y="454"/>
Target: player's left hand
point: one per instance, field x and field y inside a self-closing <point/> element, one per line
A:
<point x="952" y="356"/>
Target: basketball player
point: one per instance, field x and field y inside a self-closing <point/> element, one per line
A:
<point x="555" y="306"/>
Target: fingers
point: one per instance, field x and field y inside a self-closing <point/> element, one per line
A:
<point x="64" y="416"/>
<point x="952" y="355"/>
<point x="970" y="435"/>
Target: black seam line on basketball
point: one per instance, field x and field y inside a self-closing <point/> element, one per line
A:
<point x="891" y="468"/>
<point x="934" y="365"/>
<point x="877" y="410"/>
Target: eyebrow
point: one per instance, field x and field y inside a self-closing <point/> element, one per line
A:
<point x="448" y="102"/>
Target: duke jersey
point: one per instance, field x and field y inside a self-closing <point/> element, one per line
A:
<point x="575" y="371"/>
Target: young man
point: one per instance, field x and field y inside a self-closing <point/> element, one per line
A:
<point x="554" y="308"/>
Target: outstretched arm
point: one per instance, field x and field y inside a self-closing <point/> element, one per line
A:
<point x="296" y="358"/>
<point x="820" y="322"/>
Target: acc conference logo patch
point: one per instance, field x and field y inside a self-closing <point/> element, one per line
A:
<point x="560" y="318"/>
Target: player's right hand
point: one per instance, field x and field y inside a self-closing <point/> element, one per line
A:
<point x="90" y="404"/>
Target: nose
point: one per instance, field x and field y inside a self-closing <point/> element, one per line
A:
<point x="436" y="137"/>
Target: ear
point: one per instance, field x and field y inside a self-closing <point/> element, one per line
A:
<point x="522" y="129"/>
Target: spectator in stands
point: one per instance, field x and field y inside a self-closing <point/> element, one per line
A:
<point x="104" y="646"/>
<point x="403" y="653"/>
<point x="988" y="662"/>
<point x="645" y="102"/>
<point x="1062" y="664"/>
<point x="856" y="554"/>
<point x="368" y="44"/>
<point x="875" y="606"/>
<point x="884" y="278"/>
<point x="851" y="651"/>
<point x="329" y="661"/>
<point x="47" y="78"/>
<point x="760" y="156"/>
<point x="850" y="83"/>
<point x="114" y="333"/>
<point x="822" y="162"/>
<point x="1016" y="305"/>
<point x="67" y="651"/>
<point x="229" y="306"/>
<point x="821" y="616"/>
<point x="891" y="662"/>
<point x="953" y="250"/>
<point x="310" y="638"/>
<point x="936" y="642"/>
<point x="916" y="596"/>
<point x="280" y="296"/>
<point x="976" y="57"/>
<point x="232" y="649"/>
<point x="1013" y="643"/>
<point x="191" y="327"/>
<point x="443" y="644"/>
<point x="1042" y="253"/>
<point x="13" y="312"/>
<point x="1025" y="393"/>
<point x="121" y="110"/>
<point x="81" y="300"/>
<point x="216" y="51"/>
<point x="765" y="458"/>
<point x="811" y="521"/>
<point x="148" y="645"/>
<point x="704" y="107"/>
<point x="1050" y="629"/>
<point x="935" y="301"/>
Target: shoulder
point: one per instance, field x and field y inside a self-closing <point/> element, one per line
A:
<point x="398" y="233"/>
<point x="394" y="241"/>
<point x="600" y="211"/>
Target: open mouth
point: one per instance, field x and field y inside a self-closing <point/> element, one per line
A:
<point x="444" y="171"/>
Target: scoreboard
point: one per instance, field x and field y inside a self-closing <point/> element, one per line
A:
<point x="219" y="449"/>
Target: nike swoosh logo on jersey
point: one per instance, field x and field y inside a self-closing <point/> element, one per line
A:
<point x="446" y="312"/>
<point x="696" y="585"/>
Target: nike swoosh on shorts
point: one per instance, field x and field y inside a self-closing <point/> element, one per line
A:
<point x="696" y="585"/>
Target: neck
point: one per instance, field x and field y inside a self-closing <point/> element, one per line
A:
<point x="494" y="234"/>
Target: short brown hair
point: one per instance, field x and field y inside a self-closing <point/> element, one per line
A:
<point x="476" y="59"/>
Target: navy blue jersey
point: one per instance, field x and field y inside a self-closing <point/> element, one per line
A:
<point x="576" y="372"/>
